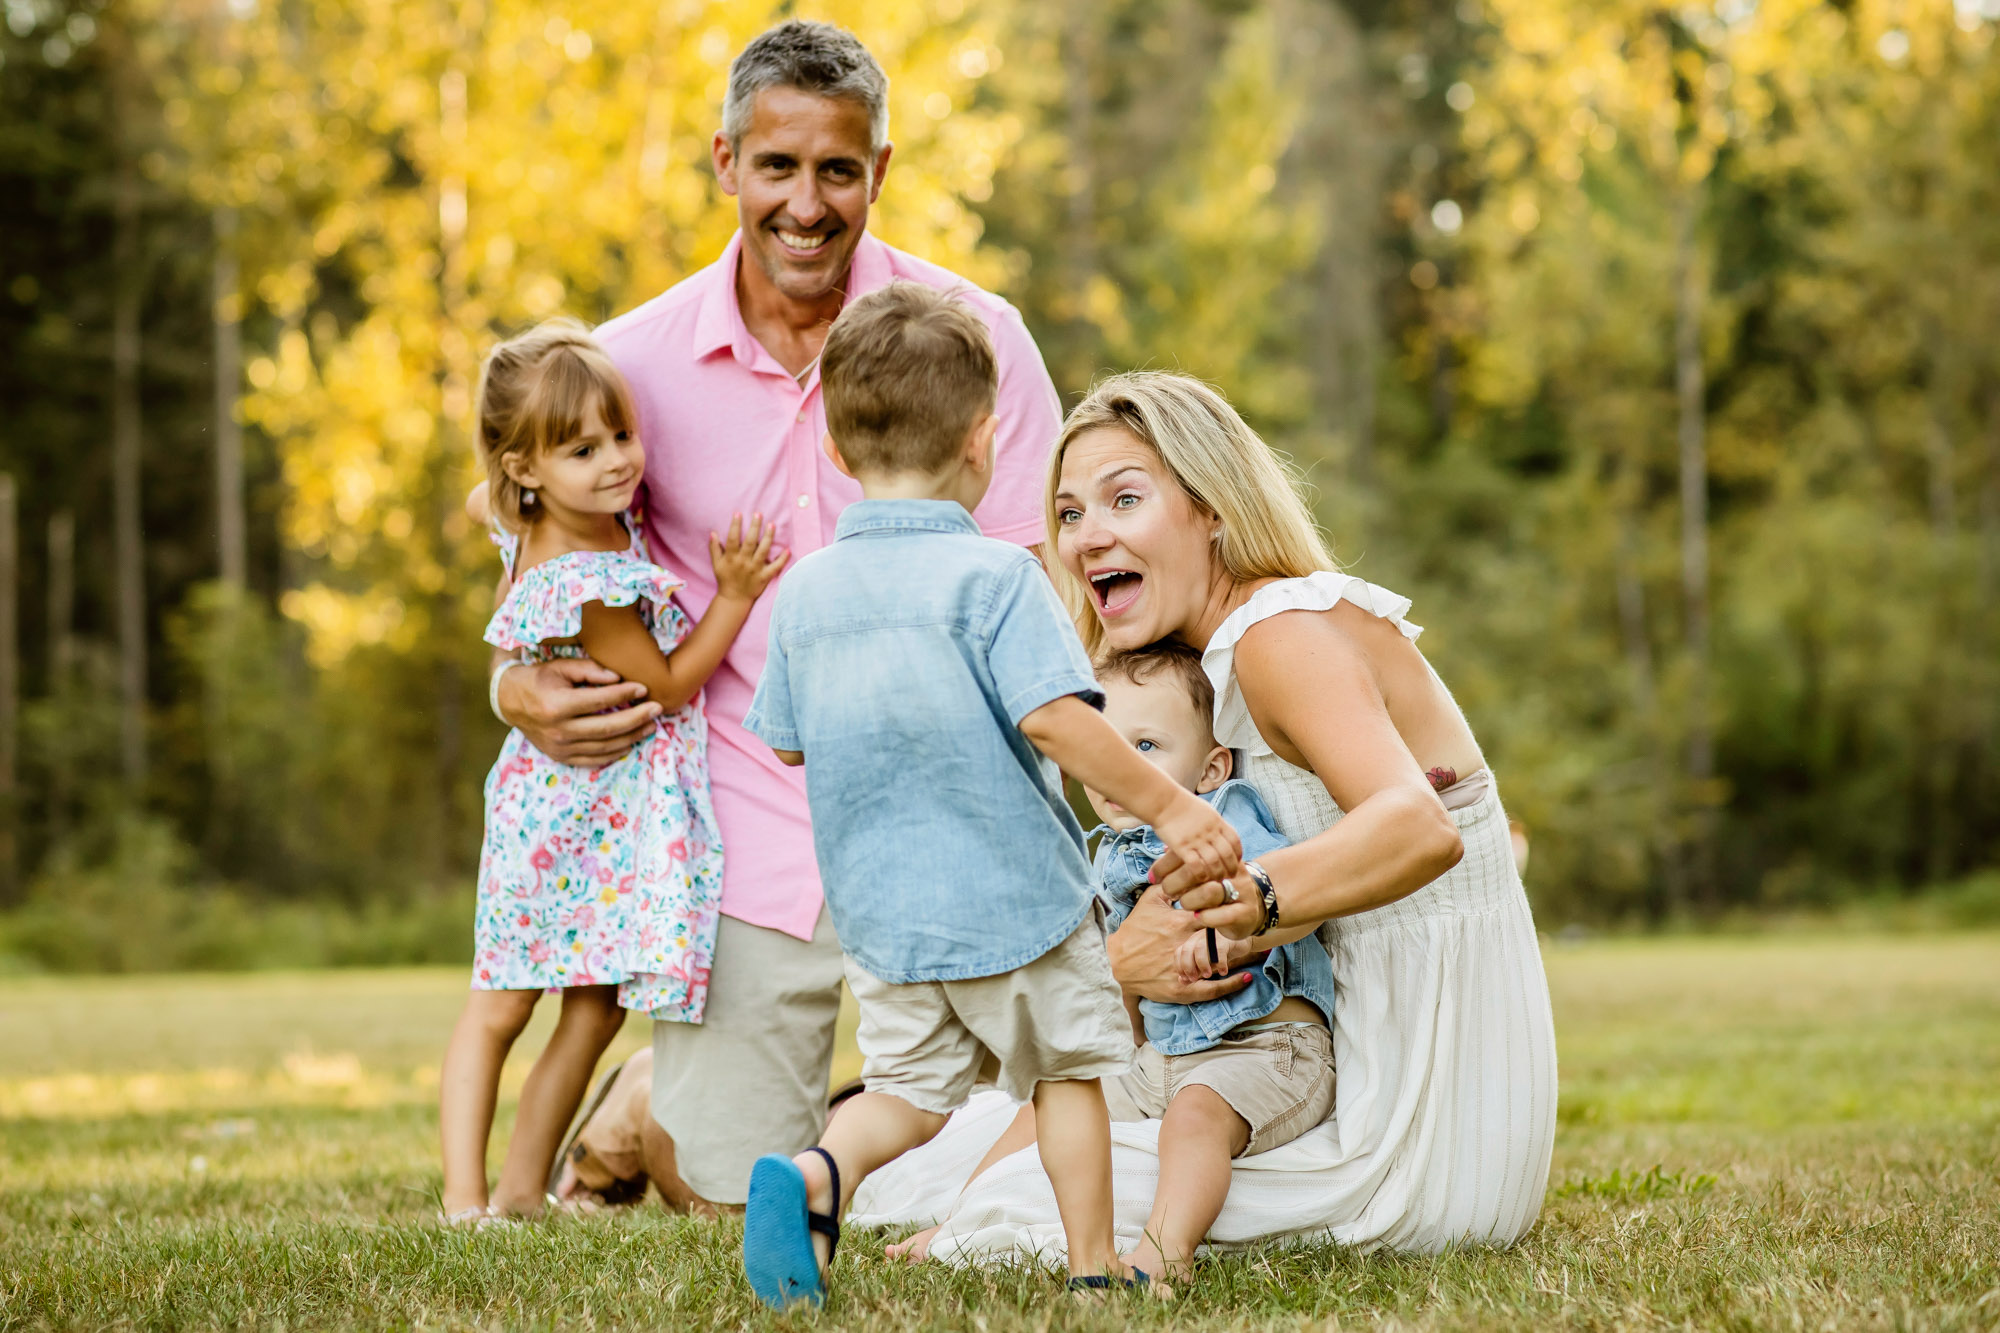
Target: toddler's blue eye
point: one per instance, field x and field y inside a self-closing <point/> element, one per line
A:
<point x="1143" y="746"/>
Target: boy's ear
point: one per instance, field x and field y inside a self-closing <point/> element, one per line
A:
<point x="832" y="452"/>
<point x="979" y="444"/>
<point x="1215" y="770"/>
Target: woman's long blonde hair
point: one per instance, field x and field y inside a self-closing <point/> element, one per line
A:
<point x="1221" y="464"/>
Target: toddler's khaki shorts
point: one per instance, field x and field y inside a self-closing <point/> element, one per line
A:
<point x="1058" y="1017"/>
<point x="1279" y="1079"/>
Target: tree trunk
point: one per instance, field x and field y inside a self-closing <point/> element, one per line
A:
<point x="61" y="663"/>
<point x="10" y="687"/>
<point x="1691" y="391"/>
<point x="1637" y="641"/>
<point x="128" y="539"/>
<point x="1079" y="47"/>
<point x="232" y="561"/>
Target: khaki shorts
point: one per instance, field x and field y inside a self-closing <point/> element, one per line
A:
<point x="1058" y="1017"/>
<point x="1280" y="1080"/>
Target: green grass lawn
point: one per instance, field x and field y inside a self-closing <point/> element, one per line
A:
<point x="1779" y="1132"/>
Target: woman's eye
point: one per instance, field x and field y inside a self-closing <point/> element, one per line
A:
<point x="1068" y="516"/>
<point x="1121" y="501"/>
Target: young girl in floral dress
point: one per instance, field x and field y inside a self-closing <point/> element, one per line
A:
<point x="601" y="883"/>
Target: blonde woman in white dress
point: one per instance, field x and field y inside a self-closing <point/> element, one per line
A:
<point x="1170" y="518"/>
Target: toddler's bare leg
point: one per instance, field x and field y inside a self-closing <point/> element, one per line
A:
<point x="872" y="1130"/>
<point x="1019" y="1133"/>
<point x="553" y="1090"/>
<point x="1075" y="1142"/>
<point x="470" y="1083"/>
<point x="1199" y="1135"/>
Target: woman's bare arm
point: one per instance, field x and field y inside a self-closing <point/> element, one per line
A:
<point x="1314" y="696"/>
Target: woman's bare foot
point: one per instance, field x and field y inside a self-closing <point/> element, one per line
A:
<point x="913" y="1249"/>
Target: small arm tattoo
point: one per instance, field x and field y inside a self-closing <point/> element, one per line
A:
<point x="1442" y="778"/>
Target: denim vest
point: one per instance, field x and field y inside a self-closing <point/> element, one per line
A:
<point x="902" y="660"/>
<point x="1301" y="968"/>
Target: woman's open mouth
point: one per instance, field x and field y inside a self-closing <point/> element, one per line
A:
<point x="1115" y="590"/>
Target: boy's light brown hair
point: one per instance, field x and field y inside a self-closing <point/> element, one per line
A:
<point x="1179" y="663"/>
<point x="533" y="392"/>
<point x="907" y="372"/>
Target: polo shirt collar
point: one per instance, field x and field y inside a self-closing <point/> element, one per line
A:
<point x="719" y="323"/>
<point x="864" y="516"/>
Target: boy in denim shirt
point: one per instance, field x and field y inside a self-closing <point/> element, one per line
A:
<point x="927" y="676"/>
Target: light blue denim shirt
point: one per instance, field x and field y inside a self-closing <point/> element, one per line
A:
<point x="1300" y="968"/>
<point x="902" y="660"/>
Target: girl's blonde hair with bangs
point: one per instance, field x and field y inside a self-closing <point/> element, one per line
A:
<point x="533" y="392"/>
<point x="1221" y="464"/>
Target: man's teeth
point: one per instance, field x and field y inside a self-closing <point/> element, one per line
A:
<point x="798" y="242"/>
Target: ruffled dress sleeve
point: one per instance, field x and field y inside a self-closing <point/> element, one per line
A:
<point x="547" y="602"/>
<point x="1321" y="591"/>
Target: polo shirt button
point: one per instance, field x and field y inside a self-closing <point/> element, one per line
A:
<point x="805" y="500"/>
<point x="802" y="417"/>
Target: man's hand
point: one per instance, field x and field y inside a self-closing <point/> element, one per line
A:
<point x="1145" y="953"/>
<point x="576" y="712"/>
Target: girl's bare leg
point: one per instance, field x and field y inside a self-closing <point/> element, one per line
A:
<point x="1075" y="1141"/>
<point x="469" y="1084"/>
<point x="1199" y="1135"/>
<point x="554" y="1089"/>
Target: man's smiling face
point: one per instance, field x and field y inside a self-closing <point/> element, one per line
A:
<point x="803" y="177"/>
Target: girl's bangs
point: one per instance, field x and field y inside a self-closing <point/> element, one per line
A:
<point x="572" y="380"/>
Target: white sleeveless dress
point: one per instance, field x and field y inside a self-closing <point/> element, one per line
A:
<point x="1444" y="1052"/>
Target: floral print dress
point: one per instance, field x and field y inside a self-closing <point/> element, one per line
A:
<point x="612" y="875"/>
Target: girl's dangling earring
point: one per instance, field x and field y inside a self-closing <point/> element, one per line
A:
<point x="527" y="498"/>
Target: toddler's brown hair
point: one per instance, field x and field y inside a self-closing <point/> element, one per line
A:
<point x="1171" y="658"/>
<point x="533" y="392"/>
<point x="907" y="371"/>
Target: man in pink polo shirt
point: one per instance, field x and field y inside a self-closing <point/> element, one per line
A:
<point x="724" y="368"/>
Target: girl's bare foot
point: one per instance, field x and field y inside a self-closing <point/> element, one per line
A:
<point x="913" y="1249"/>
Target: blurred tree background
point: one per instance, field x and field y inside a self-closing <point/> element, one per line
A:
<point x="1654" y="350"/>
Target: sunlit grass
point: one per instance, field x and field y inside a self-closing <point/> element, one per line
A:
<point x="1755" y="1133"/>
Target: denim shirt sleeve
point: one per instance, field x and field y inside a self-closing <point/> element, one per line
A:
<point x="1033" y="650"/>
<point x="770" y="718"/>
<point x="1239" y="803"/>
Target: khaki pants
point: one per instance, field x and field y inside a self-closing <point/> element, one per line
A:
<point x="751" y="1077"/>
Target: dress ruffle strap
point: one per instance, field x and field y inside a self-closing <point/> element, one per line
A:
<point x="547" y="602"/>
<point x="1321" y="591"/>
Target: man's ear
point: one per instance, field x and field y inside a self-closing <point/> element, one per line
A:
<point x="832" y="452"/>
<point x="724" y="157"/>
<point x="881" y="170"/>
<point x="1215" y="770"/>
<point x="979" y="444"/>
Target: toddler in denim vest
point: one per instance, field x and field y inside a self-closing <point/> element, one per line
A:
<point x="1227" y="1077"/>
<point x="930" y="682"/>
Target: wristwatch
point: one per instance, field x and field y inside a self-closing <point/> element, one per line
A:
<point x="1266" y="891"/>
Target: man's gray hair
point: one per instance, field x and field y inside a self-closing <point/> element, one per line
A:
<point x="813" y="57"/>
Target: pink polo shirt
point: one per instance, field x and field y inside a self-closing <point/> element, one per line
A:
<point x="728" y="430"/>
